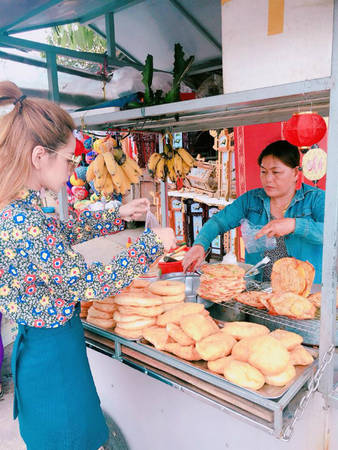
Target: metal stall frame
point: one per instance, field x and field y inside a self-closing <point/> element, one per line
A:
<point x="243" y="108"/>
<point x="267" y="104"/>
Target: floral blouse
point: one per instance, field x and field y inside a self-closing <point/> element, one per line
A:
<point x="42" y="277"/>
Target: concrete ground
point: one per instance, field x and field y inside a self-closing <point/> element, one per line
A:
<point x="100" y="249"/>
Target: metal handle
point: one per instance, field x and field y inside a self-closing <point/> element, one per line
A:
<point x="263" y="262"/>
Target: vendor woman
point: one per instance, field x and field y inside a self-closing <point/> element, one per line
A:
<point x="293" y="216"/>
<point x="42" y="279"/>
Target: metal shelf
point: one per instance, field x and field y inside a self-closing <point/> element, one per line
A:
<point x="276" y="408"/>
<point x="269" y="104"/>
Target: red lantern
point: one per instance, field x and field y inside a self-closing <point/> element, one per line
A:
<point x="305" y="129"/>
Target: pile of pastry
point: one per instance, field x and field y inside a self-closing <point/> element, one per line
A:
<point x="245" y="353"/>
<point x="139" y="306"/>
<point x="136" y="308"/>
<point x="291" y="283"/>
<point x="101" y="312"/>
<point x="221" y="282"/>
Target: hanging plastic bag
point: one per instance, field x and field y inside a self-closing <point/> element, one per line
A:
<point x="151" y="221"/>
<point x="253" y="245"/>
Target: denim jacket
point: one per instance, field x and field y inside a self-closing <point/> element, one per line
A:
<point x="307" y="207"/>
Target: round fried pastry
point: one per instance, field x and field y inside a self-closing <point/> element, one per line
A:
<point x="134" y="298"/>
<point x="169" y="306"/>
<point x="119" y="317"/>
<point x="243" y="374"/>
<point x="299" y="356"/>
<point x="241" y="350"/>
<point x="288" y="275"/>
<point x="178" y="335"/>
<point x="198" y="326"/>
<point x="129" y="334"/>
<point x="105" y="307"/>
<point x="102" y="323"/>
<point x="223" y="270"/>
<point x="215" y="346"/>
<point x="175" y="314"/>
<point x="268" y="355"/>
<point x="292" y="305"/>
<point x="136" y="324"/>
<point x="187" y="352"/>
<point x="93" y="312"/>
<point x="167" y="287"/>
<point x="287" y="338"/>
<point x="146" y="311"/>
<point x="139" y="283"/>
<point x="157" y="336"/>
<point x="283" y="378"/>
<point x="170" y="299"/>
<point x="309" y="277"/>
<point x="218" y="365"/>
<point x="240" y="330"/>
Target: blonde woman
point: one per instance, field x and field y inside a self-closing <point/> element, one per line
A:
<point x="42" y="279"/>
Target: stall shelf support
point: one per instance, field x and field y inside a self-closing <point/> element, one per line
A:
<point x="329" y="278"/>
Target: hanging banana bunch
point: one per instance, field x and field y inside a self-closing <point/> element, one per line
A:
<point x="112" y="171"/>
<point x="172" y="163"/>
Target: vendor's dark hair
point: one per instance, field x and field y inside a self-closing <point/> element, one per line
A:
<point x="284" y="151"/>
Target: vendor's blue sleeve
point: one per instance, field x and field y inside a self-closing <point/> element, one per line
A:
<point x="228" y="218"/>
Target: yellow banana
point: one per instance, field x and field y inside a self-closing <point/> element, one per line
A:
<point x="187" y="158"/>
<point x="100" y="181"/>
<point x="118" y="177"/>
<point x="132" y="163"/>
<point x="125" y="183"/>
<point x="160" y="168"/>
<point x="178" y="165"/>
<point x="130" y="173"/>
<point x="97" y="146"/>
<point x="99" y="166"/>
<point x="171" y="170"/>
<point x="185" y="169"/>
<point x="110" y="162"/>
<point x="90" y="175"/>
<point x="152" y="163"/>
<point x="108" y="187"/>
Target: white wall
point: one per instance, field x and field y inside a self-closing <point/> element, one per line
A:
<point x="252" y="59"/>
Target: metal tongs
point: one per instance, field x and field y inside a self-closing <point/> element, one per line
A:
<point x="196" y="271"/>
<point x="253" y="270"/>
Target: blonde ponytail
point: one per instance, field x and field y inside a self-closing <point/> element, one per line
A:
<point x="32" y="122"/>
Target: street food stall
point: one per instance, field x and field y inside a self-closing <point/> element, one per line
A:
<point x="162" y="398"/>
<point x="272" y="409"/>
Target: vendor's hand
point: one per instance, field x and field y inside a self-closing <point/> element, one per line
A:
<point x="193" y="258"/>
<point x="135" y="210"/>
<point x="167" y="237"/>
<point x="277" y="228"/>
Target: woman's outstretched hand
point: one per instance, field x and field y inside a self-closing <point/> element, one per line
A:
<point x="277" y="228"/>
<point x="167" y="237"/>
<point x="135" y="209"/>
<point x="193" y="258"/>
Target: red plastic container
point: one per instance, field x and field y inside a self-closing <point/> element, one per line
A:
<point x="170" y="267"/>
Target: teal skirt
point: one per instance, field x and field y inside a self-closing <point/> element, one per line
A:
<point x="55" y="397"/>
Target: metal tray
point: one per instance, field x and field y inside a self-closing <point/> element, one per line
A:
<point x="230" y="311"/>
<point x="267" y="391"/>
<point x="109" y="331"/>
<point x="191" y="281"/>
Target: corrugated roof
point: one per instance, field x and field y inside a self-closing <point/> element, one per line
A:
<point x="141" y="27"/>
